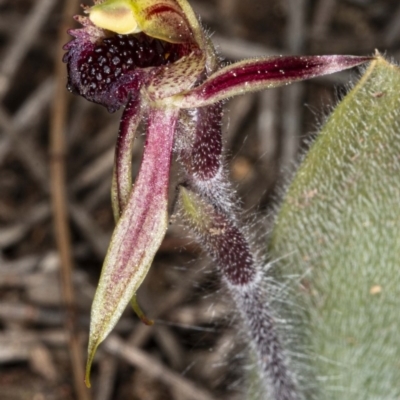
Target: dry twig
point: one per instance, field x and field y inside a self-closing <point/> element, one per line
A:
<point x="59" y="199"/>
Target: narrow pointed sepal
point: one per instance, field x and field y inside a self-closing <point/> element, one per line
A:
<point x="263" y="73"/>
<point x="122" y="175"/>
<point x="139" y="312"/>
<point x="139" y="232"/>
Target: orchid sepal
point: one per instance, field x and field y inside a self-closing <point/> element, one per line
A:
<point x="122" y="174"/>
<point x="139" y="231"/>
<point x="263" y="73"/>
<point x="138" y="311"/>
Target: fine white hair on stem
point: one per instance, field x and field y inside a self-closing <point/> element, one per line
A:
<point x="243" y="277"/>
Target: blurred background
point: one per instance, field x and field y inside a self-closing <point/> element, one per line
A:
<point x="56" y="156"/>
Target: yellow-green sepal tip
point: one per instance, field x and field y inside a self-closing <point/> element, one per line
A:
<point x="92" y="352"/>
<point x="117" y="16"/>
<point x="139" y="312"/>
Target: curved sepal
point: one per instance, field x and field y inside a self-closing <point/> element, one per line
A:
<point x="263" y="73"/>
<point x="138" y="234"/>
<point x="122" y="174"/>
<point x="138" y="311"/>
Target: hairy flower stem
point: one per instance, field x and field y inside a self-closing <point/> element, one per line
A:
<point x="208" y="207"/>
<point x="228" y="246"/>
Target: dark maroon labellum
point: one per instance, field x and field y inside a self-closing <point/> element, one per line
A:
<point x="107" y="71"/>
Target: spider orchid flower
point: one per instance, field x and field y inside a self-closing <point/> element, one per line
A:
<point x="153" y="58"/>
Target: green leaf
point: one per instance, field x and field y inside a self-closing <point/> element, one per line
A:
<point x="337" y="239"/>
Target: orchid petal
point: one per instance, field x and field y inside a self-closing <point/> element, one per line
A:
<point x="139" y="231"/>
<point x="122" y="175"/>
<point x="263" y="73"/>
